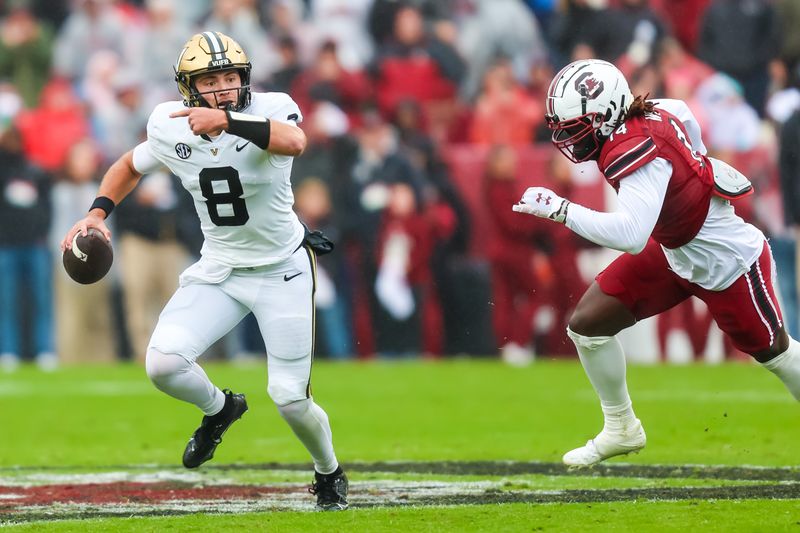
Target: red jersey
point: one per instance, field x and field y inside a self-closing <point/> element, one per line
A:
<point x="640" y="140"/>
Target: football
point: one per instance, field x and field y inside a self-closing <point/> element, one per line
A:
<point x="90" y="257"/>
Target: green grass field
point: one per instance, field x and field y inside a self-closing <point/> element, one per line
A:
<point x="500" y="432"/>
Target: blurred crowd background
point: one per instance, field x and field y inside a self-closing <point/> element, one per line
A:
<point x="425" y="124"/>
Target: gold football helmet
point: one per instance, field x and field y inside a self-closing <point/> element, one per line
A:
<point x="211" y="51"/>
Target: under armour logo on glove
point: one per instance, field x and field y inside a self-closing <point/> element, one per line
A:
<point x="544" y="203"/>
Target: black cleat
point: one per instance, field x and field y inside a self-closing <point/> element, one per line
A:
<point x="208" y="436"/>
<point x="331" y="490"/>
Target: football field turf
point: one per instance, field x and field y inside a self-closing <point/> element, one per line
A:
<point x="450" y="445"/>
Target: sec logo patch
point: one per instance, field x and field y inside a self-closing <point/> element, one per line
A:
<point x="183" y="150"/>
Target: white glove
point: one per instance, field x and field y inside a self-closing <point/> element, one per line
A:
<point x="544" y="203"/>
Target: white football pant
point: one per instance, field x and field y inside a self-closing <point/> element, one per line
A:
<point x="281" y="298"/>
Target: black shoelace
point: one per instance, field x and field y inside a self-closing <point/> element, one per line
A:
<point x="326" y="490"/>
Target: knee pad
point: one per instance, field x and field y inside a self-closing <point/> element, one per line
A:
<point x="294" y="410"/>
<point x="283" y="392"/>
<point x="160" y="367"/>
<point x="590" y="343"/>
<point x="173" y="339"/>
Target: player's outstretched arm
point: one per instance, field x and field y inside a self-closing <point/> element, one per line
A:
<point x="118" y="182"/>
<point x="626" y="229"/>
<point x="281" y="138"/>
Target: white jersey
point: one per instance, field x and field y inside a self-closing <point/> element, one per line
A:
<point x="241" y="193"/>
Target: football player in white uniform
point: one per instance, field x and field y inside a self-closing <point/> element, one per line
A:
<point x="233" y="150"/>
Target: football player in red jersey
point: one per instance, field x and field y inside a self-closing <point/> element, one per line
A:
<point x="675" y="221"/>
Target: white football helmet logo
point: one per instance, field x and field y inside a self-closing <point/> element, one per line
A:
<point x="586" y="102"/>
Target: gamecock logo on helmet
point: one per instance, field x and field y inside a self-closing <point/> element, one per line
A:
<point x="593" y="87"/>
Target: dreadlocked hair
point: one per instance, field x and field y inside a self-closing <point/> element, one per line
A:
<point x="640" y="107"/>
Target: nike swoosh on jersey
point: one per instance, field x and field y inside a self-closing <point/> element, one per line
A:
<point x="240" y="148"/>
<point x="287" y="277"/>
